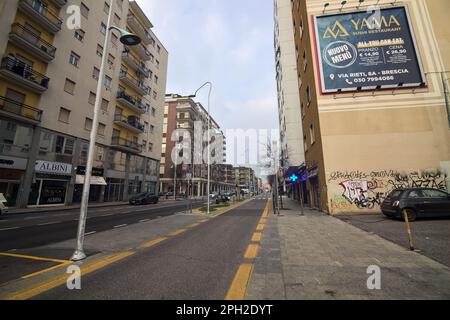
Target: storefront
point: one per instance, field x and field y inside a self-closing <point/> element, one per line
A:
<point x="50" y="183"/>
<point x="11" y="172"/>
<point x="98" y="184"/>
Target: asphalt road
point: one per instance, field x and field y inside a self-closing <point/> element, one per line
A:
<point x="198" y="264"/>
<point x="431" y="236"/>
<point x="32" y="230"/>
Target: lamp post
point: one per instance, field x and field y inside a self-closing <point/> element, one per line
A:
<point x="209" y="138"/>
<point x="128" y="39"/>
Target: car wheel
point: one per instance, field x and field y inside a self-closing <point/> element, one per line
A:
<point x="412" y="215"/>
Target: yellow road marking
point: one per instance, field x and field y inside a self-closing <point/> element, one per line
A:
<point x="42" y="287"/>
<point x="252" y="251"/>
<point x="257" y="237"/>
<point x="152" y="243"/>
<point x="13" y="255"/>
<point x="240" y="282"/>
<point x="193" y="225"/>
<point x="260" y="227"/>
<point x="46" y="270"/>
<point x="263" y="221"/>
<point x="178" y="232"/>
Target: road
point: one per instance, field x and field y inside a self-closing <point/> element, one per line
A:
<point x="27" y="231"/>
<point x="197" y="264"/>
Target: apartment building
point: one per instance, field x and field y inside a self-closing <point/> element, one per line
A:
<point x="245" y="178"/>
<point x="374" y="94"/>
<point x="185" y="129"/>
<point x="48" y="80"/>
<point x="290" y="121"/>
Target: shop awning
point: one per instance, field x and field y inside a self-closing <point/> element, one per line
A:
<point x="95" y="181"/>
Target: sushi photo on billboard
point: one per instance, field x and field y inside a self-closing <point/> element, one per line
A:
<point x="368" y="50"/>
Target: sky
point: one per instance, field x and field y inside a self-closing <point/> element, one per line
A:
<point x="227" y="42"/>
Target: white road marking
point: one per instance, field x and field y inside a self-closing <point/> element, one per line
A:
<point x="33" y="218"/>
<point x="14" y="228"/>
<point x="107" y="215"/>
<point x="121" y="226"/>
<point x="90" y="233"/>
<point x="49" y="223"/>
<point x="145" y="220"/>
<point x="62" y="215"/>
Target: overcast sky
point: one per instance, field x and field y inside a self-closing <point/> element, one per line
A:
<point x="227" y="42"/>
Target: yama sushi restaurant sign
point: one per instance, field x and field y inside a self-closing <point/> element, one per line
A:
<point x="367" y="50"/>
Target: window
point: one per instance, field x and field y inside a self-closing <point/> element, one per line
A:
<point x="103" y="28"/>
<point x="111" y="60"/>
<point x="91" y="99"/>
<point x="79" y="35"/>
<point x="312" y="134"/>
<point x="155" y="95"/>
<point x="84" y="10"/>
<point x="302" y="108"/>
<point x="88" y="124"/>
<point x="69" y="86"/>
<point x="64" y="115"/>
<point x="64" y="145"/>
<point x="114" y="39"/>
<point x="434" y="194"/>
<point x="158" y="49"/>
<point x="150" y="147"/>
<point x="96" y="73"/>
<point x="156" y="79"/>
<point x="153" y="112"/>
<point x="116" y="20"/>
<point x="305" y="61"/>
<point x="305" y="144"/>
<point x="74" y="59"/>
<point x="415" y="194"/>
<point x="308" y="95"/>
<point x="99" y="50"/>
<point x="157" y="64"/>
<point x="108" y="81"/>
<point x="152" y="129"/>
<point x="101" y="129"/>
<point x="106" y="8"/>
<point x="105" y="104"/>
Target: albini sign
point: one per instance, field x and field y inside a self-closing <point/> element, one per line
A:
<point x="367" y="50"/>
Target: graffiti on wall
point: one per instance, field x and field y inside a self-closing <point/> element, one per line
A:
<point x="367" y="190"/>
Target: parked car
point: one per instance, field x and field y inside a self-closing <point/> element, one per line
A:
<point x="222" y="199"/>
<point x="3" y="207"/>
<point x="417" y="203"/>
<point x="144" y="198"/>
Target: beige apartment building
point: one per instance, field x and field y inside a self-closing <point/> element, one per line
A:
<point x="369" y="132"/>
<point x="185" y="127"/>
<point x="48" y="81"/>
<point x="290" y="121"/>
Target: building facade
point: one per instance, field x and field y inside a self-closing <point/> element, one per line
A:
<point x="362" y="143"/>
<point x="48" y="82"/>
<point x="185" y="129"/>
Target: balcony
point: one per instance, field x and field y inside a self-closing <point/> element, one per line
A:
<point x="130" y="123"/>
<point x="31" y="43"/>
<point x="139" y="29"/>
<point x="33" y="9"/>
<point x="134" y="104"/>
<point x="142" y="52"/>
<point x="134" y="83"/>
<point x="19" y="111"/>
<point x="137" y="66"/>
<point x="59" y="3"/>
<point x="22" y="74"/>
<point x="126" y="145"/>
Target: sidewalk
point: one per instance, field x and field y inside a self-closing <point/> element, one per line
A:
<point x="320" y="257"/>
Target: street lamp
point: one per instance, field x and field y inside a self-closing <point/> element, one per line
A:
<point x="209" y="137"/>
<point x="128" y="39"/>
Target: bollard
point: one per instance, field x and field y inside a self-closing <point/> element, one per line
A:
<point x="408" y="228"/>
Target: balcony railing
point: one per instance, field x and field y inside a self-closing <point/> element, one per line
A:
<point x="131" y="123"/>
<point x="136" y="64"/>
<point x="33" y="43"/>
<point x="136" y="84"/>
<point x="41" y="13"/>
<point x="126" y="145"/>
<point x="131" y="102"/>
<point x="139" y="29"/>
<point x="59" y="3"/>
<point x="19" y="110"/>
<point x="23" y="74"/>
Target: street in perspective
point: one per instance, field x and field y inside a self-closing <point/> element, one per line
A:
<point x="245" y="152"/>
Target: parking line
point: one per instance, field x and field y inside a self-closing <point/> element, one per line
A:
<point x="176" y="233"/>
<point x="13" y="255"/>
<point x="257" y="237"/>
<point x="252" y="251"/>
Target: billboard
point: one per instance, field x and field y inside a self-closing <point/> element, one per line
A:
<point x="367" y="50"/>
